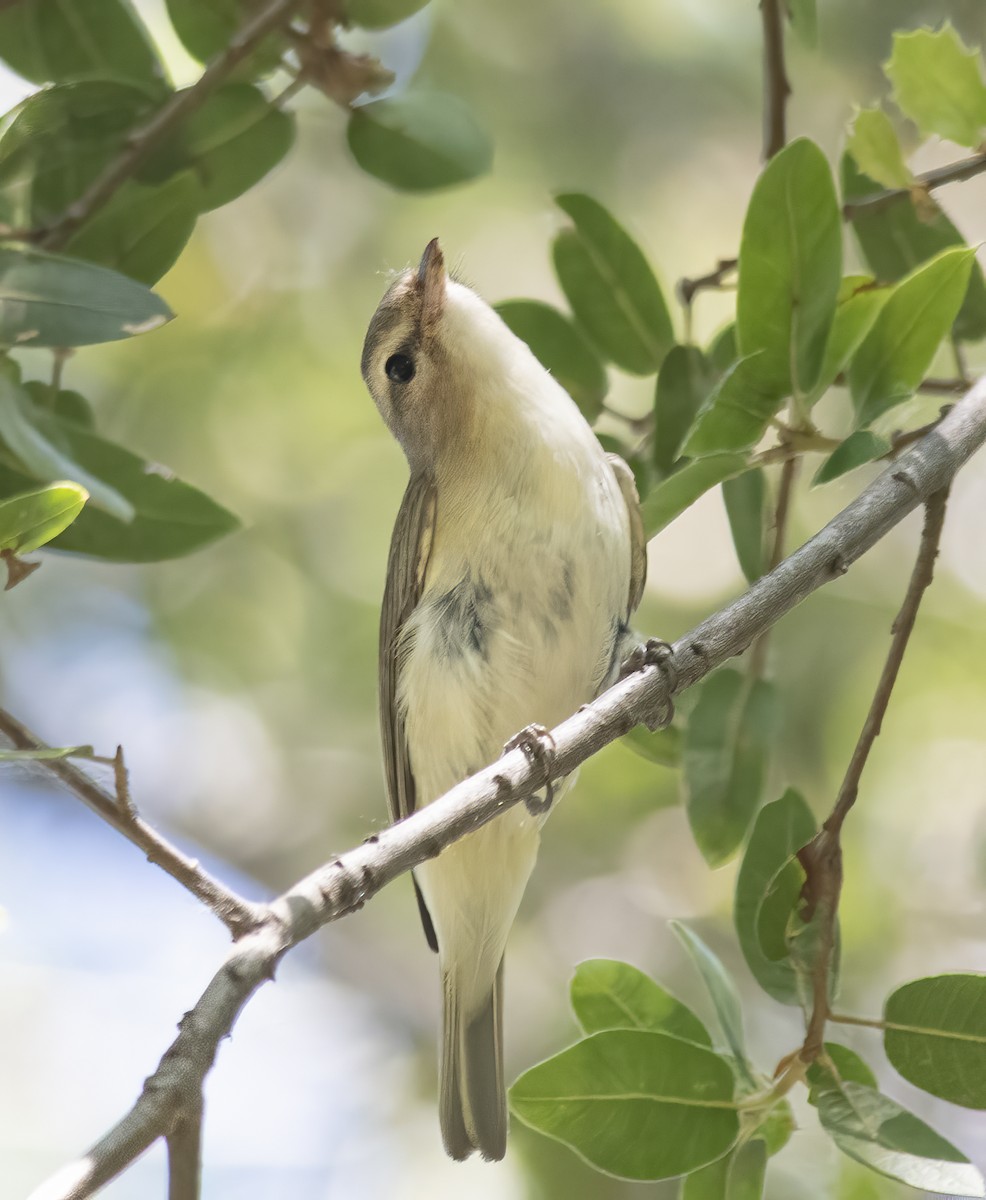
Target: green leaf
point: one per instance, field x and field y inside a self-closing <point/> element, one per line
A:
<point x="747" y="1171"/>
<point x="142" y="230"/>
<point x="873" y="144"/>
<point x="937" y="82"/>
<point x="804" y="20"/>
<point x="638" y="1104"/>
<point x="897" y="352"/>
<point x="233" y="141"/>
<point x="736" y="413"/>
<point x="58" y="41"/>
<point x="725" y="759"/>
<point x="50" y="300"/>
<point x="744" y="498"/>
<point x="381" y="14"/>
<point x="611" y="287"/>
<point x="936" y="1036"/>
<point x="709" y="1183"/>
<point x="64" y="403"/>
<point x="678" y="492"/>
<point x="172" y="518"/>
<point x="206" y="29"/>
<point x="683" y="386"/>
<point x="897" y="238"/>
<point x="419" y="141"/>
<point x="722" y="991"/>
<point x="29" y="520"/>
<point x="561" y="349"/>
<point x="46" y="754"/>
<point x="614" y="995"/>
<point x="860" y="301"/>
<point x="57" y="141"/>
<point x="876" y="1131"/>
<point x="43" y="460"/>
<point x="722" y="352"/>
<point x="859" y="448"/>
<point x="790" y="264"/>
<point x="839" y="1065"/>
<point x="662" y="747"/>
<point x="780" y="830"/>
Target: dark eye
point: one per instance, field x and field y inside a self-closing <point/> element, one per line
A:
<point x="399" y="368"/>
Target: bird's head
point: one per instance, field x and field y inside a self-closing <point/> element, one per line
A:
<point x="432" y="357"/>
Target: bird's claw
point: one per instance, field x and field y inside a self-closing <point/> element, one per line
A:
<point x="655" y="653"/>
<point x="538" y="746"/>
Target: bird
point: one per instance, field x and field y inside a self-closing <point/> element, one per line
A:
<point x="517" y="558"/>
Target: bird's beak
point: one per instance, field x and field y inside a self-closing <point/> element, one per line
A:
<point x="431" y="284"/>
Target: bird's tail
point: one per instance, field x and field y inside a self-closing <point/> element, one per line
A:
<point x="473" y="1104"/>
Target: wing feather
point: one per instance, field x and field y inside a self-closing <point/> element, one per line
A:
<point x="638" y="540"/>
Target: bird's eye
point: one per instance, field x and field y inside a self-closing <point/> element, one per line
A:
<point x="399" y="368"/>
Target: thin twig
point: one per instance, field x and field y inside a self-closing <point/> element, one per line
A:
<point x="955" y="172"/>
<point x="822" y="857"/>
<point x="688" y="287"/>
<point x="237" y="914"/>
<point x="345" y="884"/>
<point x="142" y="140"/>
<point x="776" y="88"/>
<point x="782" y="508"/>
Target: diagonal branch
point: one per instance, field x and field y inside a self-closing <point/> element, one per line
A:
<point x="822" y="857"/>
<point x="237" y="914"/>
<point x="143" y="139"/>
<point x="345" y="884"/>
<point x="956" y="172"/>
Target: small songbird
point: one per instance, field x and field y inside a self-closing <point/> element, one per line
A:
<point x="517" y="558"/>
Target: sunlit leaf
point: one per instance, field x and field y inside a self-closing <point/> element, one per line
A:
<point x="29" y="520"/>
<point x="744" y="498"/>
<point x="736" y="414"/>
<point x="615" y="995"/>
<point x="561" y="348"/>
<point x="790" y="264"/>
<point x="638" y="1104"/>
<point x="873" y="144"/>
<point x="611" y="287"/>
<point x="683" y="386"/>
<point x="859" y="304"/>
<point x="58" y="41"/>
<point x="895" y="355"/>
<point x="859" y="448"/>
<point x="780" y="830"/>
<point x="52" y="300"/>
<point x="727" y="742"/>
<point x="875" y="1130"/>
<point x="419" y="141"/>
<point x="938" y="83"/>
<point x="936" y="1036"/>
<point x="679" y="491"/>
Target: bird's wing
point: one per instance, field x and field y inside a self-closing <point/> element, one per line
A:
<point x="407" y="566"/>
<point x="638" y="541"/>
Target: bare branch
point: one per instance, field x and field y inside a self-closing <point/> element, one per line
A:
<point x="345" y="884"/>
<point x="144" y="138"/>
<point x="776" y="88"/>
<point x="953" y="173"/>
<point x="185" y="1153"/>
<point x="237" y="914"/>
<point x="822" y="857"/>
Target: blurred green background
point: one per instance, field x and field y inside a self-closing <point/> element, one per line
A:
<point x="241" y="681"/>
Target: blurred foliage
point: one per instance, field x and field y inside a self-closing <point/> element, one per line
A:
<point x="254" y="394"/>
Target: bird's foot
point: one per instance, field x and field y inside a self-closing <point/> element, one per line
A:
<point x="538" y="747"/>
<point x="655" y="653"/>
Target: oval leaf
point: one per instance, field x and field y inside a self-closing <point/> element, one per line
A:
<point x="873" y="144"/>
<point x="838" y="1065"/>
<point x="611" y="287"/>
<point x="419" y="142"/>
<point x="897" y="352"/>
<point x="673" y="495"/>
<point x="637" y="1104"/>
<point x="790" y="264"/>
<point x="683" y="386"/>
<point x="860" y="302"/>
<point x="614" y="995"/>
<point x="29" y="520"/>
<point x="561" y="349"/>
<point x="876" y="1131"/>
<point x="780" y="830"/>
<point x="938" y="83"/>
<point x="858" y="448"/>
<point x="50" y="300"/>
<point x="724" y="762"/>
<point x="744" y="498"/>
<point x="736" y="413"/>
<point x="207" y="29"/>
<point x="936" y="1036"/>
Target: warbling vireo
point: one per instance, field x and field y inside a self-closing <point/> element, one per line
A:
<point x="517" y="558"/>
